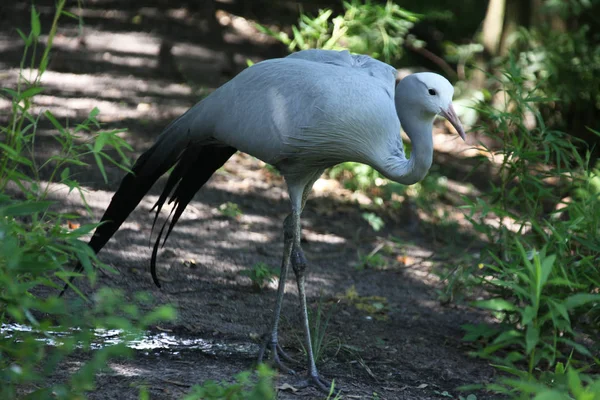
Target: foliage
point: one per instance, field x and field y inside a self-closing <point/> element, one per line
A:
<point x="563" y="383"/>
<point x="230" y="210"/>
<point x="333" y="393"/>
<point x="372" y="260"/>
<point x="354" y="176"/>
<point x="365" y="27"/>
<point x="321" y="341"/>
<point x="374" y="221"/>
<point x="376" y="306"/>
<point x="376" y="258"/>
<point x="563" y="66"/>
<point x="540" y="266"/>
<point x="260" y="274"/>
<point x="244" y="387"/>
<point x="38" y="242"/>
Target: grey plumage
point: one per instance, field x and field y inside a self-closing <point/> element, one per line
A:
<point x="302" y="114"/>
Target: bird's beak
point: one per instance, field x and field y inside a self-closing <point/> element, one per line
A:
<point x="451" y="116"/>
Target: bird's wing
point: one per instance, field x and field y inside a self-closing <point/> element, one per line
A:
<point x="339" y="58"/>
<point x="268" y="109"/>
<point x="379" y="70"/>
<point x="375" y="68"/>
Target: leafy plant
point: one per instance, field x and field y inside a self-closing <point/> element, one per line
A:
<point x="322" y="342"/>
<point x="536" y="322"/>
<point x="37" y="243"/>
<point x="245" y="387"/>
<point x="374" y="220"/>
<point x="260" y="274"/>
<point x="563" y="64"/>
<point x="365" y="27"/>
<point x="540" y="218"/>
<point x="230" y="210"/>
<point x="563" y="383"/>
<point x="372" y="260"/>
<point x="376" y="306"/>
<point x="354" y="176"/>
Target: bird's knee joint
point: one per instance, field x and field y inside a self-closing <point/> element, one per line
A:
<point x="299" y="262"/>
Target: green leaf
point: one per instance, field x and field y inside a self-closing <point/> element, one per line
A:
<point x="99" y="143"/>
<point x="578" y="347"/>
<point x="69" y="14"/>
<point x="65" y="174"/>
<point x="14" y="94"/>
<point x="26" y="39"/>
<point x="84" y="254"/>
<point x="580" y="299"/>
<point x="549" y="394"/>
<point x="495" y="305"/>
<point x="547" y="265"/>
<point x="508" y="336"/>
<point x="374" y="220"/>
<point x="528" y="314"/>
<point x="298" y="38"/>
<point x="574" y="383"/>
<point x="162" y="313"/>
<point x="94" y="113"/>
<point x="26" y="208"/>
<point x="36" y="28"/>
<point x="83" y="230"/>
<point x="532" y="337"/>
<point x="560" y="309"/>
<point x="54" y="121"/>
<point x="14" y="156"/>
<point x="32" y="91"/>
<point x="101" y="166"/>
<point x="565" y="282"/>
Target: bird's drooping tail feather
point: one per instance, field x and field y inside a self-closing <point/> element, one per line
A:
<point x="194" y="165"/>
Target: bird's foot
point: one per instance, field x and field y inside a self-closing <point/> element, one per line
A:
<point x="316" y="381"/>
<point x="276" y="352"/>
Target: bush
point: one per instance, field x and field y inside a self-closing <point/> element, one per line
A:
<point x="563" y="383"/>
<point x="244" y="387"/>
<point x="365" y="27"/>
<point x="541" y="222"/>
<point x="37" y="244"/>
<point x="260" y="274"/>
<point x="564" y="62"/>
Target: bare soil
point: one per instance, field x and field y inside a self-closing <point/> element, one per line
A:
<point x="410" y="350"/>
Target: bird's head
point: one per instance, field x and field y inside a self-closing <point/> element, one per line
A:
<point x="428" y="94"/>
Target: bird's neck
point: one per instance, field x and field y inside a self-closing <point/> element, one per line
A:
<point x="419" y="130"/>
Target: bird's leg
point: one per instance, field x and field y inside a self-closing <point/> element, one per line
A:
<point x="290" y="232"/>
<point x="299" y="265"/>
<point x="272" y="341"/>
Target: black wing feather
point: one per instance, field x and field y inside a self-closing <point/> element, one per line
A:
<point x="197" y="166"/>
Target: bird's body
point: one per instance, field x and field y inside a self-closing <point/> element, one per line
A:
<point x="302" y="114"/>
<point x="281" y="111"/>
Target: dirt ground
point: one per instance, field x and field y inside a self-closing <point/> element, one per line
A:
<point x="414" y="351"/>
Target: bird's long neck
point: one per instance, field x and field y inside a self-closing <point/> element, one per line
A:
<point x="418" y="128"/>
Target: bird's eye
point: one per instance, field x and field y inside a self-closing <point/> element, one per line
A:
<point x="432" y="92"/>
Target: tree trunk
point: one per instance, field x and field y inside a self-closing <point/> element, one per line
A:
<point x="492" y="26"/>
<point x="503" y="18"/>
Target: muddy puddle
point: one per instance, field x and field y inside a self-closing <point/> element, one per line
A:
<point x="148" y="342"/>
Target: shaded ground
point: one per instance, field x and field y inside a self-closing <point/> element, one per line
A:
<point x="413" y="352"/>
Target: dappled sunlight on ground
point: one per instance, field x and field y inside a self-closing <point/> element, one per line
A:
<point x="116" y="67"/>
